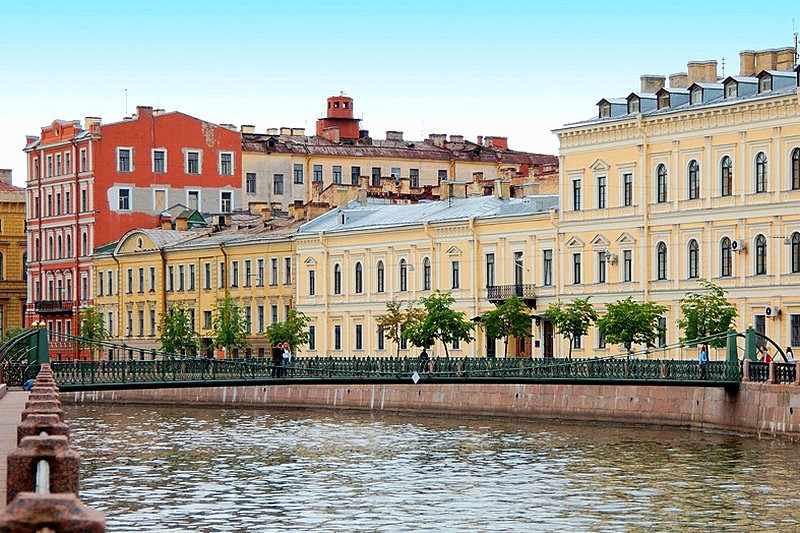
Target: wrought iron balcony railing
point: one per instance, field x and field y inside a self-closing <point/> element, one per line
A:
<point x="500" y="293"/>
<point x="53" y="307"/>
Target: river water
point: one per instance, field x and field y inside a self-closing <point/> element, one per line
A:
<point x="218" y="470"/>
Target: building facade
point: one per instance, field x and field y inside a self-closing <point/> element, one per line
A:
<point x="89" y="184"/>
<point x="696" y="181"/>
<point x="12" y="254"/>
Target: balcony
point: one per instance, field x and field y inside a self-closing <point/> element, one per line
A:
<point x="497" y="294"/>
<point x="53" y="307"/>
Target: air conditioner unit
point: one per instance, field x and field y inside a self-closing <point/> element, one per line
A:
<point x="771" y="311"/>
<point x="738" y="245"/>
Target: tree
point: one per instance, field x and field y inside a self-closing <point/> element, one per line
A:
<point x="439" y="321"/>
<point x="627" y="322"/>
<point x="177" y="335"/>
<point x="510" y="319"/>
<point x="92" y="331"/>
<point x="391" y="324"/>
<point x="706" y="314"/>
<point x="572" y="320"/>
<point x="294" y="331"/>
<point x="230" y="324"/>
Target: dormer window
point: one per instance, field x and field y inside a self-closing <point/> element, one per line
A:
<point x="697" y="95"/>
<point x="633" y="105"/>
<point x="605" y="110"/>
<point x="765" y="84"/>
<point x="731" y="90"/>
<point x="663" y="100"/>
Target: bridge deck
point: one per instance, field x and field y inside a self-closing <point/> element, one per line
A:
<point x="11" y="405"/>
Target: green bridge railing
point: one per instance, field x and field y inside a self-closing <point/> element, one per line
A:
<point x="182" y="372"/>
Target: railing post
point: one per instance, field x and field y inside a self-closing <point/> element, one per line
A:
<point x="750" y="346"/>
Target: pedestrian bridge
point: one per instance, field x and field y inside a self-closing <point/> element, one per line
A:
<point x="129" y="368"/>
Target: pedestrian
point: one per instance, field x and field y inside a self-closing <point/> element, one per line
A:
<point x="277" y="361"/>
<point x="424" y="361"/>
<point x="764" y="355"/>
<point x="789" y="354"/>
<point x="287" y="357"/>
<point x="702" y="361"/>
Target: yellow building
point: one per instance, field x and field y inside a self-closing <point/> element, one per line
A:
<point x="12" y="254"/>
<point x="696" y="180"/>
<point x="354" y="259"/>
<point x="150" y="270"/>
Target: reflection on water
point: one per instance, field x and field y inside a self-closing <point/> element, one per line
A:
<point x="192" y="469"/>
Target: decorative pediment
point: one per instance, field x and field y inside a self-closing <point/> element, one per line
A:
<point x="575" y="242"/>
<point x="626" y="238"/>
<point x="600" y="241"/>
<point x="136" y="241"/>
<point x="310" y="261"/>
<point x="454" y="250"/>
<point x="599" y="165"/>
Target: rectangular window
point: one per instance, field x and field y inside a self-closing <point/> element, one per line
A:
<point x="601" y="192"/>
<point x="376" y="176"/>
<point x="601" y="340"/>
<point x="312" y="289"/>
<point x="152" y="279"/>
<point x="601" y="267"/>
<point x="273" y="277"/>
<point x="152" y="322"/>
<point x="191" y="277"/>
<point x="359" y="337"/>
<point x="381" y="340"/>
<point x="455" y="269"/>
<point x="141" y="322"/>
<point x="576" y="269"/>
<point x="250" y="182"/>
<point x="67" y="163"/>
<point x="298" y="173"/>
<point x="100" y="284"/>
<point x="141" y="279"/>
<point x="355" y="175"/>
<point x="58" y="203"/>
<point x="67" y="203"/>
<point x="318" y="173"/>
<point x="84" y="202"/>
<point x="193" y="200"/>
<point x="49" y="171"/>
<point x="576" y="195"/>
<point x="225" y="201"/>
<point x="627" y="265"/>
<point x="159" y="200"/>
<point x="277" y="183"/>
<point x="395" y="174"/>
<point x="260" y="318"/>
<point x="207" y="320"/>
<point x="181" y="277"/>
<point x="111" y="322"/>
<point x="627" y="180"/>
<point x="662" y="332"/>
<point x="192" y="162"/>
<point x="124" y="159"/>
<point x="247" y="272"/>
<point x="159" y="161"/>
<point x="207" y="276"/>
<point x="226" y="164"/>
<point x="124" y="199"/>
<point x="312" y="337"/>
<point x="413" y="176"/>
<point x="110" y="282"/>
<point x="441" y="176"/>
<point x="260" y="273"/>
<point x="274" y="311"/>
<point x="577" y="342"/>
<point x="248" y="319"/>
<point x="287" y="270"/>
<point x="337" y="337"/>
<point x="337" y="173"/>
<point x="547" y="268"/>
<point x="234" y="274"/>
<point x="84" y="164"/>
<point x="170" y="277"/>
<point x="130" y="324"/>
<point x="490" y="270"/>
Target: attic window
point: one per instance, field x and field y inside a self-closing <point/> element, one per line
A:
<point x="697" y="95"/>
<point x="342" y="218"/>
<point x="139" y="243"/>
<point x="663" y="101"/>
<point x="605" y="110"/>
<point x="633" y="105"/>
<point x="765" y="84"/>
<point x="731" y="90"/>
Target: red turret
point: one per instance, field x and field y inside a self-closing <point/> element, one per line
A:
<point x="339" y="123"/>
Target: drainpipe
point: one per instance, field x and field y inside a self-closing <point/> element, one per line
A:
<point x="76" y="241"/>
<point x="163" y="291"/>
<point x="224" y="283"/>
<point x="475" y="295"/>
<point x="119" y="291"/>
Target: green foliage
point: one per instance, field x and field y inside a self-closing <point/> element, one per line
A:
<point x="438" y="322"/>
<point x="92" y="331"/>
<point x="177" y="335"/>
<point x="230" y="324"/>
<point x="294" y="331"/>
<point x="510" y="319"/>
<point x="706" y="314"/>
<point x="13" y="331"/>
<point x="573" y="319"/>
<point x="627" y="322"/>
<point x="392" y="324"/>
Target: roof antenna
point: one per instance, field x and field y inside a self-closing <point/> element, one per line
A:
<point x="796" y="56"/>
<point x="126" y="102"/>
<point x="723" y="68"/>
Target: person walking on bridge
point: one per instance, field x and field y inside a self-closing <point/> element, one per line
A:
<point x="702" y="361"/>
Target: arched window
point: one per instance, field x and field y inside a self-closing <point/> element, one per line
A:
<point x="694" y="180"/>
<point x="694" y="259"/>
<point x="359" y="279"/>
<point x="726" y="257"/>
<point x="381" y="277"/>
<point x="69" y="245"/>
<point x="337" y="279"/>
<point x="761" y="172"/>
<point x="50" y="251"/>
<point x="661" y="261"/>
<point x="426" y="274"/>
<point x="726" y="176"/>
<point x="403" y="275"/>
<point x="85" y="239"/>
<point x="59" y="247"/>
<point x="795" y="166"/>
<point x="661" y="183"/>
<point x="795" y="253"/>
<point x="761" y="255"/>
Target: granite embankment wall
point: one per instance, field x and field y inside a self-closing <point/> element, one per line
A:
<point x="754" y="408"/>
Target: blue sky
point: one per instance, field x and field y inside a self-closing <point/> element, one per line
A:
<point x="508" y="68"/>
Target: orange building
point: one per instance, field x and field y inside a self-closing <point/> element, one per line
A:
<point x="12" y="254"/>
<point x="89" y="184"/>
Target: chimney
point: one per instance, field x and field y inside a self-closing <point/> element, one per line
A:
<point x="394" y="135"/>
<point x="248" y="128"/>
<point x="702" y="71"/>
<point x="88" y="122"/>
<point x="650" y="83"/>
<point x="785" y="58"/>
<point x="286" y="131"/>
<point x="144" y="111"/>
<point x="157" y="112"/>
<point x="331" y="134"/>
<point x="166" y="221"/>
<point x="766" y="60"/>
<point x="456" y="138"/>
<point x="679" y="80"/>
<point x="747" y="63"/>
<point x="298" y="132"/>
<point x="362" y="195"/>
<point x="497" y="143"/>
<point x="502" y="189"/>
<point x="480" y="140"/>
<point x="438" y="139"/>
<point x="272" y="131"/>
<point x="5" y="175"/>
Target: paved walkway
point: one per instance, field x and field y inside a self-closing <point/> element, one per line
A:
<point x="11" y="405"/>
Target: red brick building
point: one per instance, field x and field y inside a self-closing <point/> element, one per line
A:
<point x="89" y="184"/>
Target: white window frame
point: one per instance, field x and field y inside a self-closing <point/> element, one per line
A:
<point x="166" y="199"/>
<point x="130" y="159"/>
<point x="219" y="163"/>
<point x="129" y="195"/>
<point x="199" y="199"/>
<point x="186" y="152"/>
<point x="153" y="160"/>
<point x="221" y="210"/>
